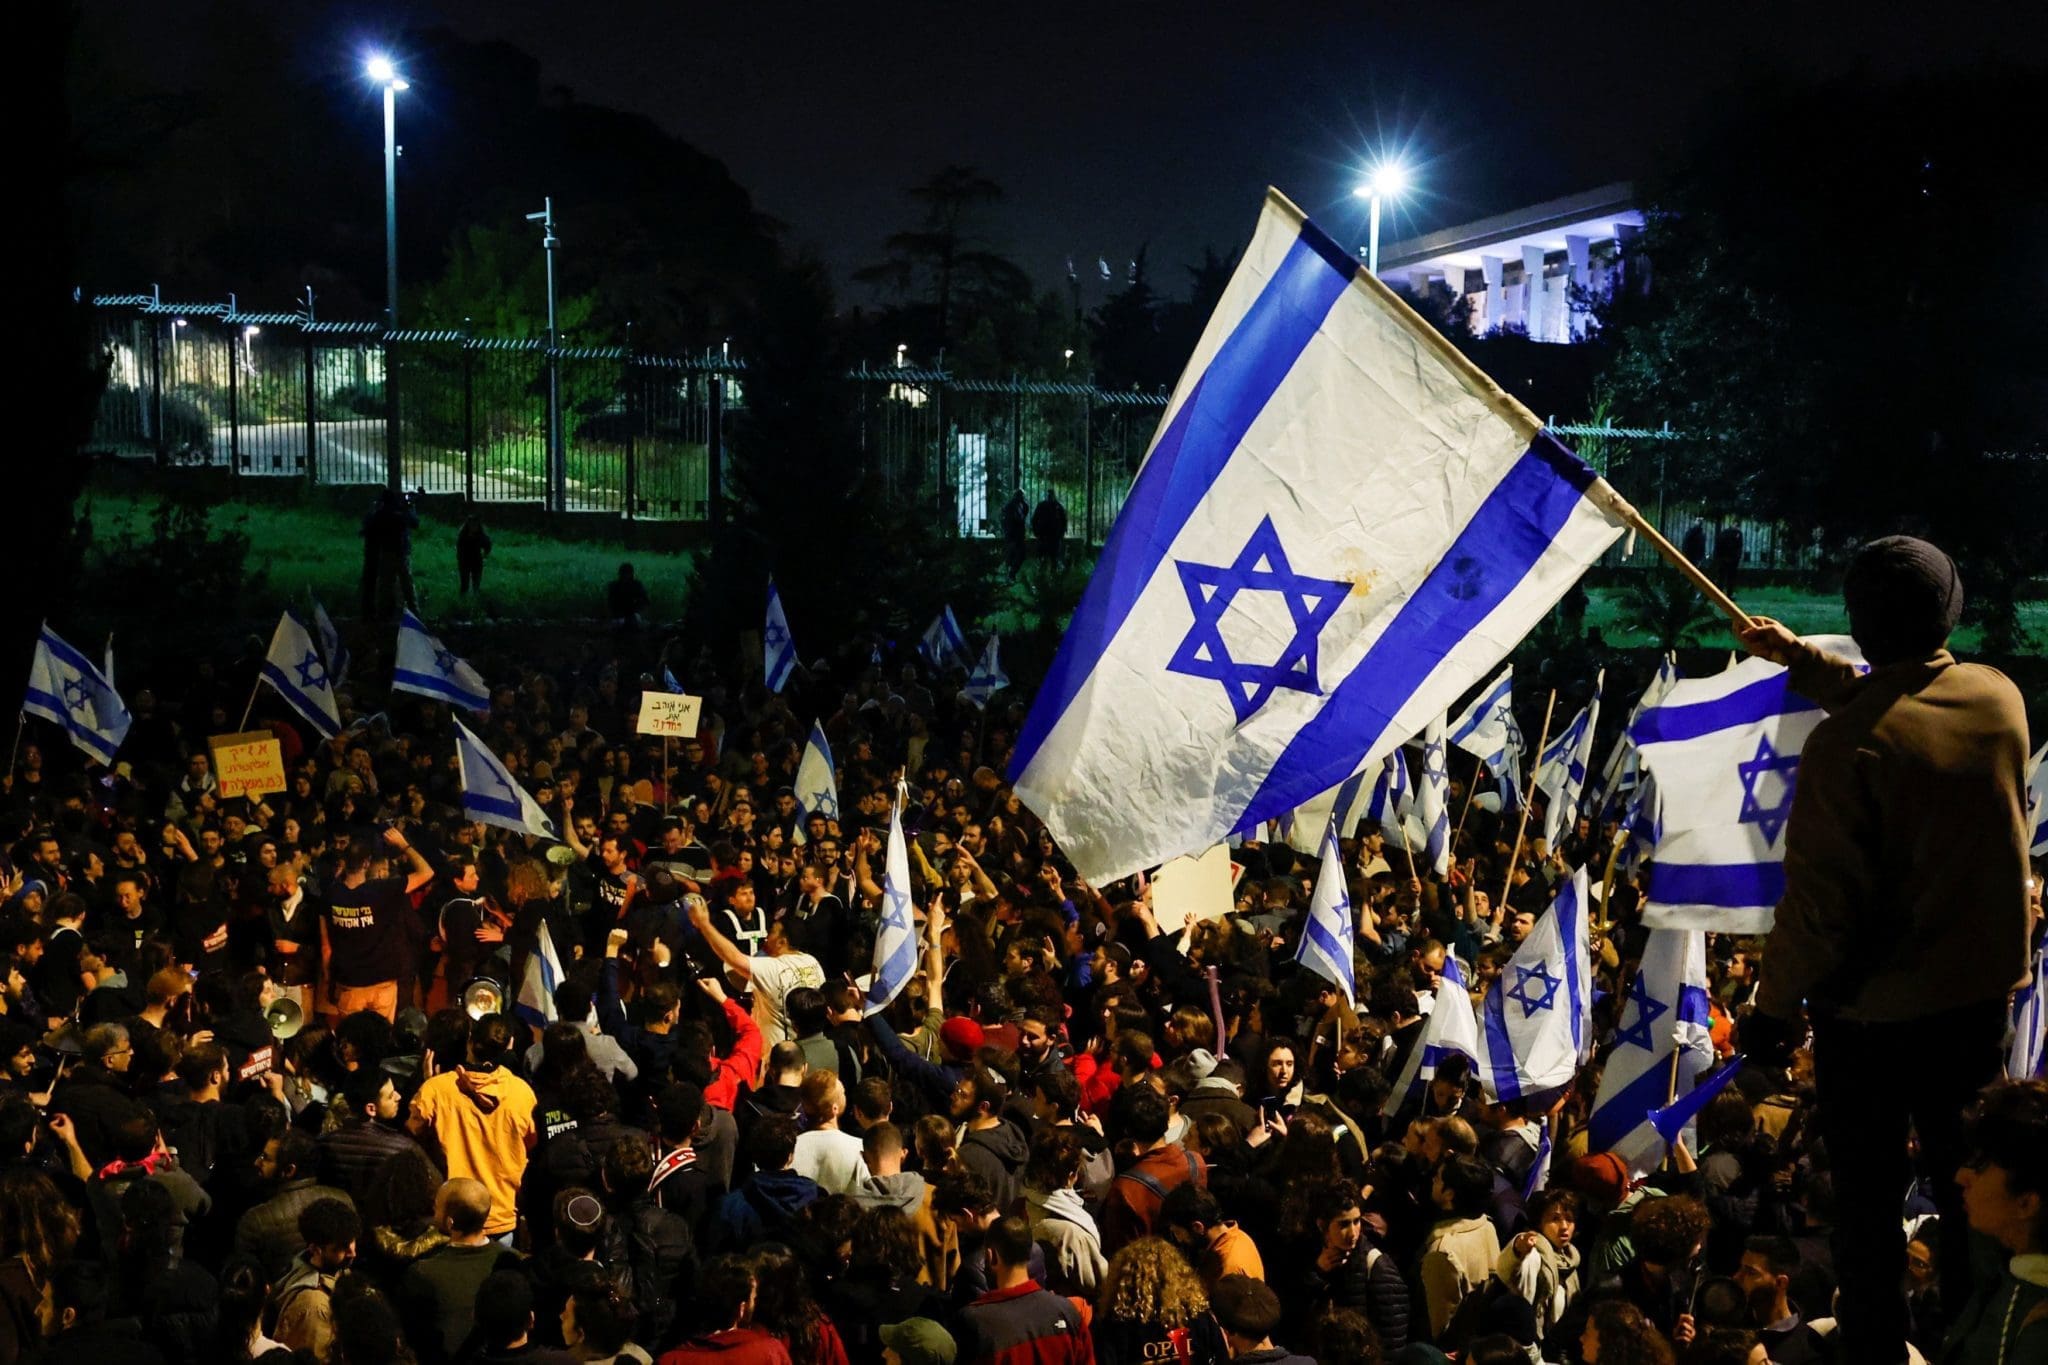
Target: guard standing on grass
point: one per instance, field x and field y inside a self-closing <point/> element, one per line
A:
<point x="472" y="547"/>
<point x="1903" y="926"/>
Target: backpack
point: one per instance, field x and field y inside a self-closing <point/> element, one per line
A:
<point x="1151" y="1182"/>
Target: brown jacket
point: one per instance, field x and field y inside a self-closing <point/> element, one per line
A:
<point x="1906" y="856"/>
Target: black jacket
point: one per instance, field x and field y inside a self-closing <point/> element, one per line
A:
<point x="1369" y="1283"/>
<point x="98" y="1106"/>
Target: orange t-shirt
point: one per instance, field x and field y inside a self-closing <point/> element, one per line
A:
<point x="484" y="1123"/>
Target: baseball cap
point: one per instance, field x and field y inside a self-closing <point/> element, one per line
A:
<point x="920" y="1341"/>
<point x="962" y="1037"/>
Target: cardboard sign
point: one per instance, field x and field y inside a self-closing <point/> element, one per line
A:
<point x="249" y="764"/>
<point x="669" y="713"/>
<point x="1191" y="888"/>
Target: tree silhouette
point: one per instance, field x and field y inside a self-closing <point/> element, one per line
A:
<point x="942" y="262"/>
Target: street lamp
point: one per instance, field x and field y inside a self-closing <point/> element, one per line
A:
<point x="1388" y="179"/>
<point x="380" y="70"/>
<point x="558" y="466"/>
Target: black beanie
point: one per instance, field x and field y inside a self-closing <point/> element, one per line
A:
<point x="1904" y="597"/>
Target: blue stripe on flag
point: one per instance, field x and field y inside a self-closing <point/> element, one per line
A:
<point x="1694" y="1007"/>
<point x="1500" y="1049"/>
<point x="1339" y="956"/>
<point x="1507" y="536"/>
<point x="40" y="703"/>
<point x="445" y="688"/>
<point x="309" y="710"/>
<point x="1571" y="928"/>
<point x="1730" y="886"/>
<point x="1482" y="711"/>
<point x="1203" y="436"/>
<point x="1629" y="1107"/>
<point x="1765" y="699"/>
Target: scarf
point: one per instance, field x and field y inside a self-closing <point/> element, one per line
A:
<point x="147" y="1166"/>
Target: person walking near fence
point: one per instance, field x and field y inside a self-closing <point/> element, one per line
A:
<point x="472" y="548"/>
<point x="1049" y="528"/>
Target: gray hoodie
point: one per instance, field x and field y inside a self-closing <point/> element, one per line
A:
<point x="903" y="1192"/>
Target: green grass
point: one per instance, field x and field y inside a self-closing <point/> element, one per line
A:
<point x="530" y="576"/>
<point x="1804" y="611"/>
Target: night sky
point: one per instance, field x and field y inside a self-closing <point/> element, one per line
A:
<point x="1116" y="124"/>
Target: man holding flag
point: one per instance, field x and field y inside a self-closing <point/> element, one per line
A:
<point x="1903" y="926"/>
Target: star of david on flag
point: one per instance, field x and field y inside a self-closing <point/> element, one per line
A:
<point x="1433" y="800"/>
<point x="986" y="678"/>
<point x="942" y="643"/>
<point x="428" y="667"/>
<point x="1666" y="1011"/>
<point x="1536" y="1023"/>
<point x="68" y="690"/>
<point x="1328" y="936"/>
<point x="778" y="650"/>
<point x="896" y="939"/>
<point x="1562" y="773"/>
<point x="1724" y="752"/>
<point x="331" y="648"/>
<point x="816" y="791"/>
<point x="1340" y="526"/>
<point x="293" y="669"/>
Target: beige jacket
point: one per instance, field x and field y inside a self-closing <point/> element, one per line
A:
<point x="1457" y="1257"/>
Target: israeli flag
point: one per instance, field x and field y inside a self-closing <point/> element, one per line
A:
<point x="1340" y="527"/>
<point x="986" y="678"/>
<point x="490" y="795"/>
<point x="778" y="651"/>
<point x="537" y="981"/>
<point x="1665" y="1012"/>
<point x="1392" y="794"/>
<point x="816" y="792"/>
<point x="1539" y="1169"/>
<point x="1433" y="800"/>
<point x="1624" y="766"/>
<point x="1537" y="1019"/>
<point x="942" y="642"/>
<point x="1327" y="938"/>
<point x="2037" y="804"/>
<point x="1641" y="825"/>
<point x="896" y="940"/>
<point x="1343" y="805"/>
<point x="430" y="668"/>
<point x="1725" y="753"/>
<point x="1563" y="770"/>
<point x="331" y="648"/>
<point x="1450" y="1030"/>
<point x="65" y="689"/>
<point x="2028" y="1017"/>
<point x="1678" y="1116"/>
<point x="668" y="679"/>
<point x="294" y="668"/>
<point x="1487" y="730"/>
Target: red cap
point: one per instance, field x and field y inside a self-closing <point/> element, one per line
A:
<point x="1603" y="1179"/>
<point x="962" y="1037"/>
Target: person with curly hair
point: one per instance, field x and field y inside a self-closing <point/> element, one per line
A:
<point x="38" y="1230"/>
<point x="1668" y="1235"/>
<point x="784" y="1308"/>
<point x="1617" y="1333"/>
<point x="1152" y="1308"/>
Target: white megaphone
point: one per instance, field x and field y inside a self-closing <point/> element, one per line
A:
<point x="482" y="996"/>
<point x="285" y="1018"/>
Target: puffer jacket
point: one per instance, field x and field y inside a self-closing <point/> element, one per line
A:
<point x="1370" y="1282"/>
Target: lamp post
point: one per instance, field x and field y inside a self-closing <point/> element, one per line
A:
<point x="380" y="70"/>
<point x="1386" y="182"/>
<point x="558" y="466"/>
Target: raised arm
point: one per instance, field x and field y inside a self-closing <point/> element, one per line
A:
<point x="726" y="950"/>
<point x="421" y="872"/>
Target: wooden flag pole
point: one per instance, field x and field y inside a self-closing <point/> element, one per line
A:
<point x="244" y="726"/>
<point x="1528" y="799"/>
<point x="1606" y="919"/>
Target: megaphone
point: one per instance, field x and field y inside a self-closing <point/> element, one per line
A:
<point x="482" y="996"/>
<point x="285" y="1018"/>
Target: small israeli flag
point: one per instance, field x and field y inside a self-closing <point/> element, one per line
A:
<point x="331" y="648"/>
<point x="1344" y="805"/>
<point x="816" y="791"/>
<point x="2028" y="1018"/>
<point x="1665" y="1011"/>
<point x="668" y="679"/>
<point x="1450" y="1030"/>
<point x="896" y="940"/>
<point x="778" y="651"/>
<point x="2037" y="804"/>
<point x="430" y="668"/>
<point x="1624" y="765"/>
<point x="65" y="689"/>
<point x="1641" y="826"/>
<point x="490" y="795"/>
<point x="294" y="669"/>
<point x="942" y="642"/>
<point x="1328" y="936"/>
<point x="1562" y="773"/>
<point x="1725" y="753"/>
<point x="1487" y="730"/>
<point x="1537" y="1019"/>
<point x="986" y="678"/>
<point x="537" y="981"/>
<point x="1433" y="800"/>
<point x="1339" y="528"/>
<point x="1392" y="793"/>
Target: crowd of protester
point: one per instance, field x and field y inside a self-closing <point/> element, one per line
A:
<point x="265" y="1090"/>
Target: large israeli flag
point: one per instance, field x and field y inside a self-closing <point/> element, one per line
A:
<point x="1624" y="766"/>
<point x="1562" y="772"/>
<point x="1537" y="1019"/>
<point x="1725" y="753"/>
<point x="2037" y="804"/>
<point x="1340" y="527"/>
<point x="1327" y="938"/>
<point x="1450" y="1030"/>
<point x="430" y="668"/>
<point x="1665" y="1012"/>
<point x="1433" y="800"/>
<point x="537" y="981"/>
<point x="986" y="678"/>
<point x="2028" y="1017"/>
<point x="66" y="689"/>
<point x="293" y="667"/>
<point x="778" y="651"/>
<point x="896" y="940"/>
<point x="942" y="643"/>
<point x="816" y="790"/>
<point x="489" y="793"/>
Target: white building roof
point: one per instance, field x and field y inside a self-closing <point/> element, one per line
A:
<point x="1596" y="214"/>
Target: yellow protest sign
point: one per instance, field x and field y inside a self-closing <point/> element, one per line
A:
<point x="248" y="764"/>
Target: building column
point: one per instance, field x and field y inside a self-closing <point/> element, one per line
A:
<point x="1496" y="297"/>
<point x="1535" y="307"/>
<point x="1578" y="253"/>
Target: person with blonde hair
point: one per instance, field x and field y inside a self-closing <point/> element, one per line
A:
<point x="1152" y="1308"/>
<point x="824" y="1154"/>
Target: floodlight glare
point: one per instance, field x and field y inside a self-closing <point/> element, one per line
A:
<point x="380" y="70"/>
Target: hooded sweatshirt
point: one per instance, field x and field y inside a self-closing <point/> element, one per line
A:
<point x="764" y="1207"/>
<point x="903" y="1192"/>
<point x="1061" y="1223"/>
<point x="997" y="1155"/>
<point x="483" y="1119"/>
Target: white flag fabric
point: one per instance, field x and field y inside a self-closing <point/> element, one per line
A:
<point x="1665" y="1011"/>
<point x="1564" y="768"/>
<point x="428" y="667"/>
<point x="942" y="643"/>
<point x="1344" y="804"/>
<point x="778" y="651"/>
<point x="1328" y="936"/>
<point x="1725" y="753"/>
<point x="1486" y="728"/>
<point x="817" y="793"/>
<point x="2028" y="1017"/>
<point x="1393" y="792"/>
<point x="986" y="678"/>
<point x="1433" y="800"/>
<point x="1537" y="1019"/>
<point x="2037" y="804"/>
<point x="896" y="939"/>
<point x="537" y="981"/>
<point x="1624" y="769"/>
<point x="1450" y="1030"/>
<point x="1339" y="528"/>
<point x="66" y="689"/>
<point x="293" y="667"/>
<point x="489" y="793"/>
